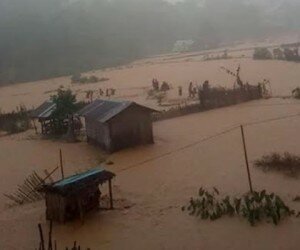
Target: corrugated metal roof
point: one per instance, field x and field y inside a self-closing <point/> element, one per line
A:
<point x="45" y="110"/>
<point x="79" y="177"/>
<point x="74" y="183"/>
<point x="104" y="110"/>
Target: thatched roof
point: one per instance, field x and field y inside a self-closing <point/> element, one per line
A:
<point x="105" y="110"/>
<point x="79" y="182"/>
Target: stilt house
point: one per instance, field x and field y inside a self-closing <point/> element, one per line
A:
<point x="43" y="114"/>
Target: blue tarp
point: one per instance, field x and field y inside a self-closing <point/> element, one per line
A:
<point x="79" y="177"/>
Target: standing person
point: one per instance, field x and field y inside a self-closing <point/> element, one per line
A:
<point x="204" y="93"/>
<point x="206" y="85"/>
<point x="191" y="89"/>
<point x="180" y="91"/>
<point x="194" y="91"/>
<point x="165" y="86"/>
<point x="113" y="92"/>
<point x="155" y="84"/>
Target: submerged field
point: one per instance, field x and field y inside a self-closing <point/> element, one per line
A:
<point x="153" y="192"/>
<point x="134" y="80"/>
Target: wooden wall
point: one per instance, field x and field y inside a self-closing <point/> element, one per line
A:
<point x="98" y="133"/>
<point x="55" y="207"/>
<point x="131" y="127"/>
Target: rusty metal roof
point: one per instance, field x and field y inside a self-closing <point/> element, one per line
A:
<point x="104" y="110"/>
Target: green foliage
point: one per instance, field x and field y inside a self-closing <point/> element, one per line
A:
<point x="65" y="102"/>
<point x="291" y="54"/>
<point x="77" y="78"/>
<point x="296" y="93"/>
<point x="16" y="121"/>
<point x="262" y="54"/>
<point x="286" y="163"/>
<point x="254" y="207"/>
<point x="278" y="54"/>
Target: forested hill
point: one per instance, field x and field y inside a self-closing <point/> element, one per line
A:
<point x="48" y="38"/>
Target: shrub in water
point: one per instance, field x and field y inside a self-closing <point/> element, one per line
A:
<point x="262" y="54"/>
<point x="286" y="163"/>
<point x="254" y="207"/>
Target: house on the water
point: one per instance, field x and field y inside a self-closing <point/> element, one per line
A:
<point x="43" y="114"/>
<point x="74" y="196"/>
<point x="50" y="125"/>
<point x="114" y="125"/>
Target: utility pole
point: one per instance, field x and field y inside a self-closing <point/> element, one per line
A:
<point x="61" y="164"/>
<point x="246" y="159"/>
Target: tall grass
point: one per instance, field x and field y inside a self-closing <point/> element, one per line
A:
<point x="16" y="121"/>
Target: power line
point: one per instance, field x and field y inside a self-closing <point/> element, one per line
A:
<point x="180" y="149"/>
<point x="206" y="139"/>
<point x="271" y="120"/>
<point x="271" y="104"/>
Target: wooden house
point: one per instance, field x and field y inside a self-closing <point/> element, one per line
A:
<point x="76" y="195"/>
<point x="114" y="125"/>
<point x="43" y="114"/>
<point x="52" y="126"/>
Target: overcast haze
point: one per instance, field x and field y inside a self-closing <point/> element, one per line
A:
<point x="42" y="38"/>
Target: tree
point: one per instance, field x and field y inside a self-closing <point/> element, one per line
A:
<point x="262" y="54"/>
<point x="278" y="54"/>
<point x="65" y="102"/>
<point x="296" y="93"/>
<point x="291" y="54"/>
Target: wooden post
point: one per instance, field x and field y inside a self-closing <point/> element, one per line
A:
<point x="50" y="237"/>
<point x="246" y="158"/>
<point x="80" y="207"/>
<point x="42" y="127"/>
<point x="61" y="164"/>
<point x="110" y="195"/>
<point x="35" y="128"/>
<point x="41" y="237"/>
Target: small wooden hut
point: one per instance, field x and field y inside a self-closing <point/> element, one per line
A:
<point x="43" y="114"/>
<point x="76" y="195"/>
<point x="114" y="125"/>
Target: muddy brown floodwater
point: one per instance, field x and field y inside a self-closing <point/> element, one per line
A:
<point x="150" y="188"/>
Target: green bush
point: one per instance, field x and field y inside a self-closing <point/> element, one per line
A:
<point x="262" y="54"/>
<point x="77" y="78"/>
<point x="16" y="121"/>
<point x="296" y="93"/>
<point x="254" y="207"/>
<point x="286" y="163"/>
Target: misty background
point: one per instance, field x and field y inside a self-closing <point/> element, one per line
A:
<point x="49" y="38"/>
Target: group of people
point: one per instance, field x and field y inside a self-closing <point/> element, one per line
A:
<point x="108" y="92"/>
<point x="193" y="89"/>
<point x="164" y="86"/>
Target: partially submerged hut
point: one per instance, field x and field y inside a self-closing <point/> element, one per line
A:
<point x="76" y="195"/>
<point x="43" y="114"/>
<point x="114" y="125"/>
<point x="51" y="125"/>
